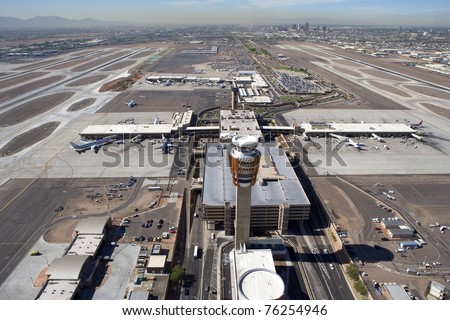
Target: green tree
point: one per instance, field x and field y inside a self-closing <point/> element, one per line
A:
<point x="361" y="287"/>
<point x="352" y="271"/>
<point x="176" y="274"/>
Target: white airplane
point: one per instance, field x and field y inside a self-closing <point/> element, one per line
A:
<point x="166" y="146"/>
<point x="131" y="104"/>
<point x="94" y="145"/>
<point x="157" y="121"/>
<point x="352" y="143"/>
<point x="377" y="137"/>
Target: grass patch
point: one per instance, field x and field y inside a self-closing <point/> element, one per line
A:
<point x="291" y="68"/>
<point x="287" y="99"/>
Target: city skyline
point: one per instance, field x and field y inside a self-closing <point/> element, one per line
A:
<point x="382" y="12"/>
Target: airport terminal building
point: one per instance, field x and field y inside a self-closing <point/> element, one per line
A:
<point x="277" y="196"/>
<point x="322" y="129"/>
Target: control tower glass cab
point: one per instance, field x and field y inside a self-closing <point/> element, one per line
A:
<point x="244" y="164"/>
<point x="244" y="160"/>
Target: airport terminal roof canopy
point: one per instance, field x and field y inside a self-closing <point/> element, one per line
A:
<point x="355" y="128"/>
<point x="67" y="267"/>
<point x="277" y="182"/>
<point x="256" y="276"/>
<point x="92" y="225"/>
<point x="127" y="129"/>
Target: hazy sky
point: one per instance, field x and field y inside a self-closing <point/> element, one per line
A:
<point x="391" y="12"/>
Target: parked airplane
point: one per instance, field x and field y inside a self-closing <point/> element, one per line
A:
<point x="131" y="104"/>
<point x="377" y="137"/>
<point x="416" y="125"/>
<point x="157" y="121"/>
<point x="94" y="145"/>
<point x="352" y="143"/>
<point x="349" y="141"/>
<point x="166" y="146"/>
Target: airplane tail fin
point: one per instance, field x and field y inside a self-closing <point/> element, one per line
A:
<point x="420" y="122"/>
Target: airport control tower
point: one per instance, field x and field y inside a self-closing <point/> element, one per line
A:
<point x="244" y="164"/>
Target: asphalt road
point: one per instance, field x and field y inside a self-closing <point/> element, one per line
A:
<point x="194" y="266"/>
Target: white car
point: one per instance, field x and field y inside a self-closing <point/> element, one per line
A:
<point x="331" y="266"/>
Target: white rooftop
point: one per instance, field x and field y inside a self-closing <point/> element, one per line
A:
<point x="397" y="292"/>
<point x="59" y="290"/>
<point x="240" y="122"/>
<point x="256" y="276"/>
<point x="156" y="261"/>
<point x="67" y="267"/>
<point x="92" y="225"/>
<point x="334" y="127"/>
<point x="85" y="245"/>
<point x="128" y="129"/>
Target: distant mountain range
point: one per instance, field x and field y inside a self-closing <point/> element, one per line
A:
<point x="52" y="22"/>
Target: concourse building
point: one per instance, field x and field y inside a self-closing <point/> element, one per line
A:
<point x="322" y="129"/>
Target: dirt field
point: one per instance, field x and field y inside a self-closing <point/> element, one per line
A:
<point x="80" y="105"/>
<point x="68" y="64"/>
<point x="61" y="232"/>
<point x="389" y="88"/>
<point x="28" y="138"/>
<point x="443" y="112"/>
<point x="121" y="84"/>
<point x="348" y="63"/>
<point x="430" y="92"/>
<point x="97" y="62"/>
<point x="37" y="64"/>
<point x="33" y="108"/>
<point x="87" y="80"/>
<point x="349" y="72"/>
<point x="21" y="79"/>
<point x="119" y="65"/>
<point x="384" y="75"/>
<point x="142" y="54"/>
<point x="14" y="92"/>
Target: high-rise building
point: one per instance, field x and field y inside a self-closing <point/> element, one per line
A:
<point x="306" y="26"/>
